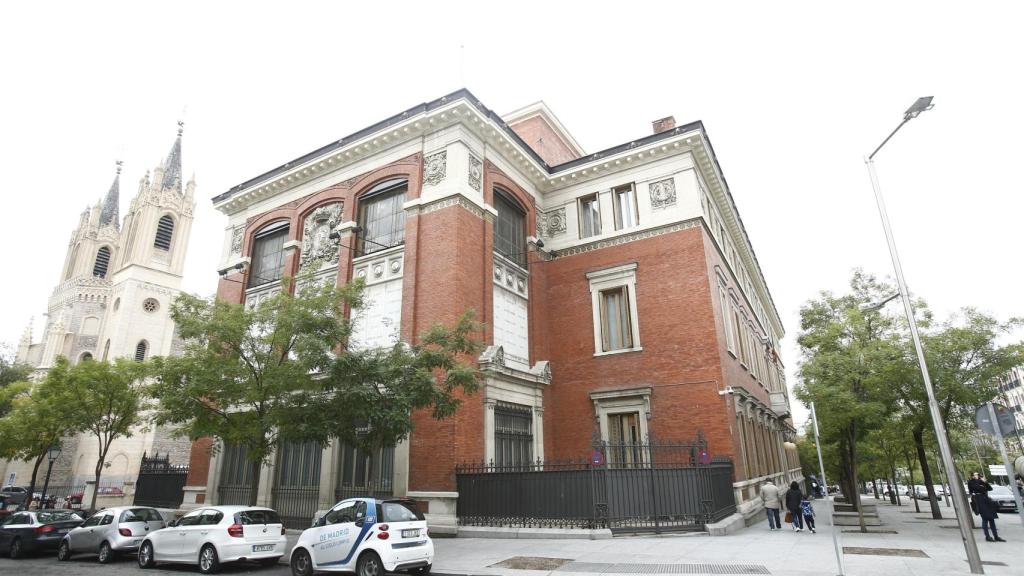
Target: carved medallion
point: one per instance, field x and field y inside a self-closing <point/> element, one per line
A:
<point x="555" y="222"/>
<point x="663" y="193"/>
<point x="434" y="167"/>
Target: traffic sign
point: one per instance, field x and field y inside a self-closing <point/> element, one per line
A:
<point x="1007" y="425"/>
<point x="597" y="458"/>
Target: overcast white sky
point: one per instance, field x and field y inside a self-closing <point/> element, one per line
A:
<point x="793" y="95"/>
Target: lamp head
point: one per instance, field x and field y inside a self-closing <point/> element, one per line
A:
<point x="922" y="104"/>
<point x="53" y="453"/>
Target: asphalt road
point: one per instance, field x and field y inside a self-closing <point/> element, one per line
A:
<point x="85" y="565"/>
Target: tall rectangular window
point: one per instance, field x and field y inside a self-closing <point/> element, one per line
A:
<point x="616" y="326"/>
<point x="624" y="198"/>
<point x="590" y="216"/>
<point x="509" y="229"/>
<point x="723" y="301"/>
<point x="268" y="254"/>
<point x="513" y="434"/>
<point x="382" y="217"/>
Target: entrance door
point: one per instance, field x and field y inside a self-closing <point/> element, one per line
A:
<point x="624" y="439"/>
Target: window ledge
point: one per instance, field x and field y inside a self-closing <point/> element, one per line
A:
<point x="622" y="351"/>
<point x="382" y="253"/>
<point x="731" y="353"/>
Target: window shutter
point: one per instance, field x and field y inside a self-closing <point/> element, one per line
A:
<point x="99" y="269"/>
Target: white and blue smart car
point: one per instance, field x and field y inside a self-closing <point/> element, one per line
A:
<point x="366" y="536"/>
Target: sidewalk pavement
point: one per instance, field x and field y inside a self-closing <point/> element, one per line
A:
<point x="753" y="550"/>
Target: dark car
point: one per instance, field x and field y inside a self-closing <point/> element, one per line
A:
<point x="29" y="531"/>
<point x="14" y="494"/>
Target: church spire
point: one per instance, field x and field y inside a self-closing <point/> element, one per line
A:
<point x="172" y="166"/>
<point x="109" y="213"/>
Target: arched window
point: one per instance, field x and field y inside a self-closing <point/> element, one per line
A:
<point x="268" y="254"/>
<point x="140" y="350"/>
<point x="85" y="357"/>
<point x="382" y="217"/>
<point x="99" y="268"/>
<point x="164" y="232"/>
<point x="509" y="228"/>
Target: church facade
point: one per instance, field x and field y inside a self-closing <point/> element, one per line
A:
<point x="621" y="297"/>
<point x="112" y="301"/>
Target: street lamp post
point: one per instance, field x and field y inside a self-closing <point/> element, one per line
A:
<point x="53" y="454"/>
<point x="959" y="498"/>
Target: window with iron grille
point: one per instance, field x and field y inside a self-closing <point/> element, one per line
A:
<point x="382" y="217"/>
<point x="298" y="464"/>
<point x="236" y="470"/>
<point x="268" y="254"/>
<point x="358" y="471"/>
<point x="99" y="268"/>
<point x="164" y="232"/>
<point x="509" y="229"/>
<point x="513" y="434"/>
<point x="140" y="350"/>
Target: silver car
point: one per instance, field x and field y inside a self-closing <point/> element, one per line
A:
<point x="110" y="532"/>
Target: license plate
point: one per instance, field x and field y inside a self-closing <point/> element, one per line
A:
<point x="263" y="548"/>
<point x="410" y="533"/>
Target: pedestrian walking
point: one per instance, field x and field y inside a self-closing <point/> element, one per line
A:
<point x="770" y="498"/>
<point x="793" y="499"/>
<point x="807" y="511"/>
<point x="984" y="506"/>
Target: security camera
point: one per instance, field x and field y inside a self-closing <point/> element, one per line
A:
<point x="727" y="391"/>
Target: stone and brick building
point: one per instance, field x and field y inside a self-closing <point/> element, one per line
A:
<point x="620" y="291"/>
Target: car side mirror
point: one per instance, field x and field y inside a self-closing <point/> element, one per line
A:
<point x="172" y="523"/>
<point x="321" y="521"/>
<point x="360" y="522"/>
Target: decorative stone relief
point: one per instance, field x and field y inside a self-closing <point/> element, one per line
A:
<point x="555" y="222"/>
<point x="236" y="239"/>
<point x="476" y="171"/>
<point x="663" y="193"/>
<point x="434" y="167"/>
<point x="512" y="279"/>
<point x="318" y="248"/>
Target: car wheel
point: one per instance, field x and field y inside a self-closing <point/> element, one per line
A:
<point x="302" y="564"/>
<point x="369" y="565"/>
<point x="146" y="555"/>
<point x="106" y="554"/>
<point x="208" y="562"/>
<point x="64" y="551"/>
<point x="421" y="571"/>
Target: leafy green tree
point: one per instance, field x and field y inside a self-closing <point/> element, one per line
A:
<point x="842" y="349"/>
<point x="109" y="403"/>
<point x="11" y="372"/>
<point x="283" y="371"/>
<point x="39" y="416"/>
<point x="964" y="357"/>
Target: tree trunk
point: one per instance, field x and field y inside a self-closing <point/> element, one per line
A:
<point x="926" y="471"/>
<point x="98" y="471"/>
<point x="895" y="485"/>
<point x="257" y="467"/>
<point x="856" y="483"/>
<point x="874" y="487"/>
<point x="910" y="472"/>
<point x="32" y="484"/>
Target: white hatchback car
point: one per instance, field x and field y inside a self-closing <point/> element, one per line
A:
<point x="366" y="536"/>
<point x="215" y="535"/>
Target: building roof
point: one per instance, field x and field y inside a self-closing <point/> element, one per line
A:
<point x="109" y="213"/>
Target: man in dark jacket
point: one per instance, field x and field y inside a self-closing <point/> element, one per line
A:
<point x="984" y="506"/>
<point x="793" y="498"/>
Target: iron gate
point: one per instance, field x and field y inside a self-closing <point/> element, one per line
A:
<point x="160" y="482"/>
<point x="627" y="487"/>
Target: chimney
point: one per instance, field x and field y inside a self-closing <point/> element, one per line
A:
<point x="666" y="123"/>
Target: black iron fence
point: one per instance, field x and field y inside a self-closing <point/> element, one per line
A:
<point x="625" y="487"/>
<point x="234" y="494"/>
<point x="160" y="483"/>
<point x="63" y="495"/>
<point x="378" y="489"/>
<point x="296" y="505"/>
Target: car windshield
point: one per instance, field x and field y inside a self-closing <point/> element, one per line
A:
<point x="141" y="515"/>
<point x="60" y="516"/>
<point x="247" y="517"/>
